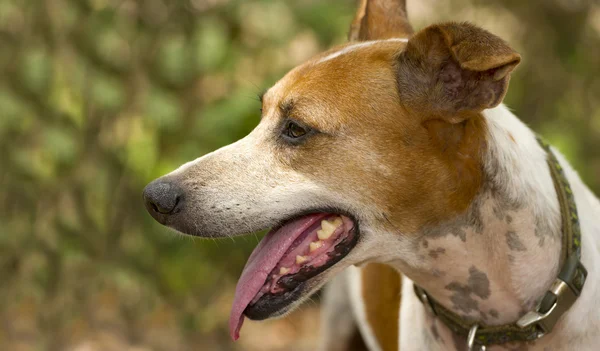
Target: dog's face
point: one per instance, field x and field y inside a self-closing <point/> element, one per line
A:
<point x="357" y="150"/>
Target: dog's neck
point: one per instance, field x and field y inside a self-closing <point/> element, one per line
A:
<point x="495" y="262"/>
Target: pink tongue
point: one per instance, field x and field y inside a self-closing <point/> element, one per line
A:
<point x="262" y="261"/>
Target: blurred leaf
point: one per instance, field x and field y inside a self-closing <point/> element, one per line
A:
<point x="16" y="116"/>
<point x="175" y="60"/>
<point x="163" y="110"/>
<point x="211" y="43"/>
<point x="60" y="144"/>
<point x="33" y="162"/>
<point x="142" y="150"/>
<point x="36" y="68"/>
<point x="112" y="48"/>
<point x="107" y="93"/>
<point x="228" y="120"/>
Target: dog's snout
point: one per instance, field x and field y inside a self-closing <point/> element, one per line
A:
<point x="162" y="198"/>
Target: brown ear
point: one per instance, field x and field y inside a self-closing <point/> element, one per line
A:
<point x="380" y="19"/>
<point x="450" y="71"/>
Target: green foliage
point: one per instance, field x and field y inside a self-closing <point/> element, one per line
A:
<point x="98" y="97"/>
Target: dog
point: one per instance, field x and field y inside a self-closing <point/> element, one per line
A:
<point x="387" y="166"/>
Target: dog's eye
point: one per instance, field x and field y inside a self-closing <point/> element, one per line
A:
<point x="294" y="130"/>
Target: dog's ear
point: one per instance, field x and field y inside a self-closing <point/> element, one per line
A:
<point x="380" y="19"/>
<point x="455" y="70"/>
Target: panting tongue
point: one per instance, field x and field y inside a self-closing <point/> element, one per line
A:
<point x="262" y="261"/>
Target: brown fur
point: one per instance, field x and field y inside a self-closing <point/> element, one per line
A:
<point x="380" y="19"/>
<point x="381" y="293"/>
<point x="331" y="97"/>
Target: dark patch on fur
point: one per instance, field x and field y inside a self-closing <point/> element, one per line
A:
<point x="461" y="297"/>
<point x="499" y="211"/>
<point x="425" y="243"/>
<point x="541" y="237"/>
<point x="543" y="232"/>
<point x="494" y="313"/>
<point x="457" y="227"/>
<point x="459" y="232"/>
<point x="479" y="283"/>
<point x="435" y="253"/>
<point x="513" y="242"/>
<point x="475" y="217"/>
<point x="437" y="273"/>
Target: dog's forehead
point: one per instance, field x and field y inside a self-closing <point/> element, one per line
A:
<point x="336" y="77"/>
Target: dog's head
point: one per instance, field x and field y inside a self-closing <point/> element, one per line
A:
<point x="357" y="150"/>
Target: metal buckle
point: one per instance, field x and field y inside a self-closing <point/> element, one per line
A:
<point x="565" y="298"/>
<point x="533" y="317"/>
<point x="471" y="338"/>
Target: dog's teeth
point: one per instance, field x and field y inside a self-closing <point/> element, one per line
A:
<point x="301" y="259"/>
<point x="327" y="228"/>
<point x="324" y="234"/>
<point x="315" y="245"/>
<point x="284" y="270"/>
<point x="338" y="221"/>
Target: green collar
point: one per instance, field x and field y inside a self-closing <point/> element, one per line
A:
<point x="558" y="299"/>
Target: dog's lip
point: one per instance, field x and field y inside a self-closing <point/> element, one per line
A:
<point x="268" y="254"/>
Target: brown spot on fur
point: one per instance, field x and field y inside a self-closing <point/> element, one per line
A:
<point x="512" y="138"/>
<point x="381" y="291"/>
<point x="435" y="253"/>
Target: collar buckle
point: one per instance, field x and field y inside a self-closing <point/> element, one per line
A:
<point x="558" y="299"/>
<point x="471" y="339"/>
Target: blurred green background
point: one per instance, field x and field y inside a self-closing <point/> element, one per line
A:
<point x="98" y="97"/>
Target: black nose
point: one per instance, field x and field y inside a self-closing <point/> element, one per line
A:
<point x="162" y="198"/>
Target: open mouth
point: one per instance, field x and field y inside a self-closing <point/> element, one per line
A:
<point x="280" y="267"/>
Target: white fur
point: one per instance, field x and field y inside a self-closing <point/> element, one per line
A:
<point x="355" y="289"/>
<point x="524" y="176"/>
<point x="354" y="47"/>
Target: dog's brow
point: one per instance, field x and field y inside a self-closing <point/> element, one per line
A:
<point x="286" y="107"/>
<point x="261" y="95"/>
